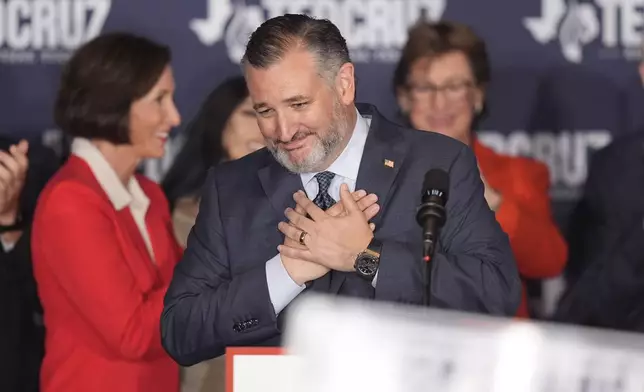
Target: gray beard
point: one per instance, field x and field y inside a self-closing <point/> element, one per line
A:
<point x="322" y="147"/>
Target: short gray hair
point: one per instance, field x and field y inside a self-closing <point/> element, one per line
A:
<point x="270" y="42"/>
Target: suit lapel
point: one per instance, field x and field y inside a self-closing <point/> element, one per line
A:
<point x="383" y="156"/>
<point x="279" y="185"/>
<point x="127" y="221"/>
<point x="132" y="243"/>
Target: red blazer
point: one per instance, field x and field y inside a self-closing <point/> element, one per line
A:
<point x="525" y="215"/>
<point x="102" y="295"/>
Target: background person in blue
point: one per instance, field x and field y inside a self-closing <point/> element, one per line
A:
<point x="232" y="286"/>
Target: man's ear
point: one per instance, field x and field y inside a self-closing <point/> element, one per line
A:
<point x="345" y="84"/>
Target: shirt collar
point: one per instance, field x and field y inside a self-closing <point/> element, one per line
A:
<point x="347" y="165"/>
<point x="119" y="195"/>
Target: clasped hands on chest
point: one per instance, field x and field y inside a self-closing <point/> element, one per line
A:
<point x="316" y="241"/>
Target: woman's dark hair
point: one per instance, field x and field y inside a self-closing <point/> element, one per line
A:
<point x="102" y="80"/>
<point x="203" y="143"/>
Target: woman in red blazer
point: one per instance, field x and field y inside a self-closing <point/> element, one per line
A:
<point x="517" y="189"/>
<point x="103" y="247"/>
<point x="440" y="82"/>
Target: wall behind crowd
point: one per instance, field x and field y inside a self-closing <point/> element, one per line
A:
<point x="564" y="73"/>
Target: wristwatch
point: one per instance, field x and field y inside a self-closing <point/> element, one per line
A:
<point x="368" y="261"/>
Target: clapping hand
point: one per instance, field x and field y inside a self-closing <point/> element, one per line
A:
<point x="492" y="196"/>
<point x="13" y="171"/>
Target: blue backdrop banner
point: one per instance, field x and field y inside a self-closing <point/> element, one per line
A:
<point x="564" y="81"/>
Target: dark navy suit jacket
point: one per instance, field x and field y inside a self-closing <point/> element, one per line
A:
<point x="606" y="260"/>
<point x="219" y="294"/>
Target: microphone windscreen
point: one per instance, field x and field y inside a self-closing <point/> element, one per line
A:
<point x="436" y="180"/>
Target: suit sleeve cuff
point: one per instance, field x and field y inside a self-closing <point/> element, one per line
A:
<point x="281" y="288"/>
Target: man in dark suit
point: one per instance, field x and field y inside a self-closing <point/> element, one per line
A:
<point x="233" y="285"/>
<point x="24" y="170"/>
<point x="606" y="267"/>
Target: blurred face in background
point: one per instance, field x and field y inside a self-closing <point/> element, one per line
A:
<point x="241" y="135"/>
<point x="442" y="95"/>
<point x="152" y="117"/>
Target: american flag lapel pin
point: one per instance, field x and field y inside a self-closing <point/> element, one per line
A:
<point x="389" y="163"/>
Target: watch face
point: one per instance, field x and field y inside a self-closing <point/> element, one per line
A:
<point x="367" y="266"/>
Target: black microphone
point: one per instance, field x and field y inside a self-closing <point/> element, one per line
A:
<point x="431" y="217"/>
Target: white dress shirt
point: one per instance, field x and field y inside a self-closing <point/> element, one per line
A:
<point x="120" y="196"/>
<point x="281" y="288"/>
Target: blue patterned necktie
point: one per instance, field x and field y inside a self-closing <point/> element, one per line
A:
<point x="323" y="199"/>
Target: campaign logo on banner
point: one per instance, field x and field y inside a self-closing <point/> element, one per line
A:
<point x="616" y="24"/>
<point x="375" y="30"/>
<point x="566" y="154"/>
<point x="48" y="31"/>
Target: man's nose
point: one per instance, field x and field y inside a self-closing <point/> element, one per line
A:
<point x="285" y="130"/>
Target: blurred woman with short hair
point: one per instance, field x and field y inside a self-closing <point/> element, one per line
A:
<point x="103" y="247"/>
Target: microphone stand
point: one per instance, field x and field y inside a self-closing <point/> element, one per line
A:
<point x="431" y="215"/>
<point x="428" y="253"/>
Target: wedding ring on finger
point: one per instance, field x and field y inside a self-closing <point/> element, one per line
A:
<point x="302" y="237"/>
